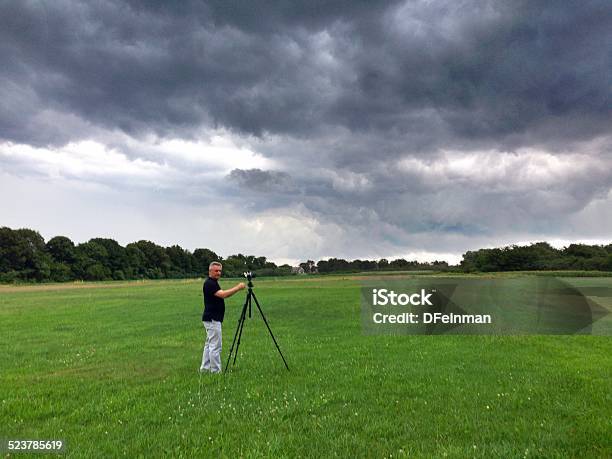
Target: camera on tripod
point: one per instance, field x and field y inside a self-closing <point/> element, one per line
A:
<point x="247" y="306"/>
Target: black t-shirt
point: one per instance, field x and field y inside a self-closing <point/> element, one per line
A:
<point x="214" y="307"/>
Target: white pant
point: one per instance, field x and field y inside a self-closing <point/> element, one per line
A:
<point x="211" y="357"/>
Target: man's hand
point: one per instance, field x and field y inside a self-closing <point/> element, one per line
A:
<point x="241" y="286"/>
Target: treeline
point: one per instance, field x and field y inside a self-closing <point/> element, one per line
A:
<point x="539" y="256"/>
<point x="25" y="256"/>
<point x="339" y="265"/>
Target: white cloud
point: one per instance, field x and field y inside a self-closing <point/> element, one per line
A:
<point x="148" y="163"/>
<point x="524" y="169"/>
<point x="220" y="153"/>
<point x="85" y="160"/>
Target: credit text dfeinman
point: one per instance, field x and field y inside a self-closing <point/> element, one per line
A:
<point x="384" y="297"/>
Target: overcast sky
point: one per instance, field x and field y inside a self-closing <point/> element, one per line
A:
<point x="305" y="130"/>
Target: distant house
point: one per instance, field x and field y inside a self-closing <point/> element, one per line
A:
<point x="308" y="267"/>
<point x="312" y="267"/>
<point x="297" y="270"/>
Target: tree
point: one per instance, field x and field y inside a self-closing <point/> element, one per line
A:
<point x="399" y="264"/>
<point x="235" y="265"/>
<point x="62" y="252"/>
<point x="201" y="259"/>
<point x="91" y="261"/>
<point x="136" y="262"/>
<point x="10" y="257"/>
<point x="156" y="260"/>
<point x="116" y="261"/>
<point x="61" y="249"/>
<point x="23" y="255"/>
<point x="180" y="261"/>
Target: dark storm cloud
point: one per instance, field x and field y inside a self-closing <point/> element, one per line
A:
<point x="265" y="181"/>
<point x="335" y="95"/>
<point x="500" y="72"/>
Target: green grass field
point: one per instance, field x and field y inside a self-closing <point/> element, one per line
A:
<point x="112" y="369"/>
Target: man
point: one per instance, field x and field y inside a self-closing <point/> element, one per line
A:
<point x="214" y="310"/>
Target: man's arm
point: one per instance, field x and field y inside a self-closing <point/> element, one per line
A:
<point x="231" y="291"/>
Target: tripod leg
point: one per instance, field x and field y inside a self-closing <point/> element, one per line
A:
<point x="239" y="328"/>
<point x="248" y="301"/>
<point x="270" y="330"/>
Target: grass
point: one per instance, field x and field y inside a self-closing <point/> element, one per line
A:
<point x="112" y="369"/>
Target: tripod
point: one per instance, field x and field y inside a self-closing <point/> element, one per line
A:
<point x="248" y="302"/>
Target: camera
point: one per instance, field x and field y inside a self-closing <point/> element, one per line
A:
<point x="249" y="275"/>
